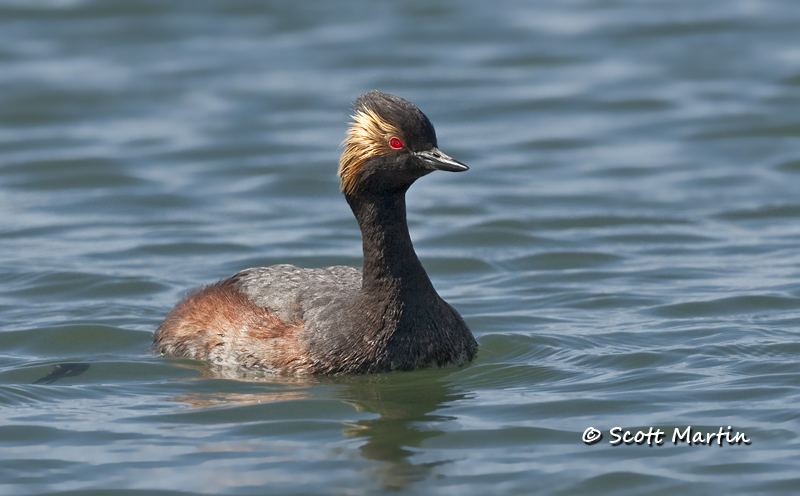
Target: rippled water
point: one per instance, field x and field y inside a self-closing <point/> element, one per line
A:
<point x="625" y="246"/>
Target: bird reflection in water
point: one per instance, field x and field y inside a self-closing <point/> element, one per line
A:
<point x="408" y="405"/>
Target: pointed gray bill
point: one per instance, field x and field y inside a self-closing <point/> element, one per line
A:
<point x="438" y="160"/>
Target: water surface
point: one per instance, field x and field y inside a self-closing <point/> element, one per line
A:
<point x="624" y="246"/>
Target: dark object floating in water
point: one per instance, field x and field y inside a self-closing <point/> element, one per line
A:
<point x="63" y="370"/>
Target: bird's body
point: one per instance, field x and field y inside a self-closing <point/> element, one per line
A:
<point x="339" y="319"/>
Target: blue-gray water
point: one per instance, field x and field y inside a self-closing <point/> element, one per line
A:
<point x="625" y="246"/>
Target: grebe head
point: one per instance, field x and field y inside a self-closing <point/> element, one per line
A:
<point x="390" y="143"/>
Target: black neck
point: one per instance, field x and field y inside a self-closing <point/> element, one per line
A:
<point x="390" y="263"/>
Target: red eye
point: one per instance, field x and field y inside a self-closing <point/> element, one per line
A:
<point x="396" y="143"/>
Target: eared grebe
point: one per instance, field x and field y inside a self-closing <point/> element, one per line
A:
<point x="339" y="320"/>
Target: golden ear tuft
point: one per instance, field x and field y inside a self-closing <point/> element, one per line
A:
<point x="367" y="136"/>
